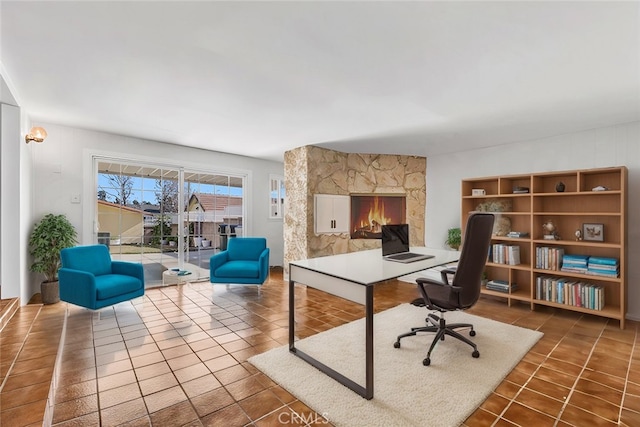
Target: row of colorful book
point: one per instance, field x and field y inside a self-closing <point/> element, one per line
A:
<point x="594" y="265"/>
<point x="566" y="291"/>
<point x="505" y="254"/>
<point x="549" y="258"/>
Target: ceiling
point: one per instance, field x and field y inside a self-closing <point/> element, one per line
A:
<point x="259" y="78"/>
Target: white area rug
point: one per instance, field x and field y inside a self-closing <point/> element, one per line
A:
<point x="406" y="393"/>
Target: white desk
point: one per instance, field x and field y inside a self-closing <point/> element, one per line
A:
<point x="352" y="276"/>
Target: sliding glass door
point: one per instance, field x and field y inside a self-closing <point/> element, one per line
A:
<point x="214" y="213"/>
<point x="166" y="217"/>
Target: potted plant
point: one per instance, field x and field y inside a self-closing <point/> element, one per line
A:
<point x="484" y="280"/>
<point x="52" y="234"/>
<point x="454" y="238"/>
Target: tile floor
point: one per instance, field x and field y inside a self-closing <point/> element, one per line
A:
<point x="179" y="355"/>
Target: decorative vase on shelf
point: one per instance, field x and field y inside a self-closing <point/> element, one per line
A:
<point x="549" y="231"/>
<point x="560" y="187"/>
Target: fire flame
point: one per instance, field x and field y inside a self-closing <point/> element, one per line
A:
<point x="376" y="218"/>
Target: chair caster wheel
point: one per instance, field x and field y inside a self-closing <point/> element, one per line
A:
<point x="426" y="362"/>
<point x="396" y="344"/>
<point x="472" y="333"/>
<point x="475" y="354"/>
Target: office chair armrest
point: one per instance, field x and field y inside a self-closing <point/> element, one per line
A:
<point x="427" y="280"/>
<point x="445" y="273"/>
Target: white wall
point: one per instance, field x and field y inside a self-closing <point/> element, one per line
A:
<point x="611" y="146"/>
<point x="15" y="200"/>
<point x="60" y="170"/>
<point x="10" y="191"/>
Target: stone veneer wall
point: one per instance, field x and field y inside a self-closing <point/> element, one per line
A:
<point x="312" y="170"/>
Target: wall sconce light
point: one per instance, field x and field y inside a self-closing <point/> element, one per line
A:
<point x="36" y="134"/>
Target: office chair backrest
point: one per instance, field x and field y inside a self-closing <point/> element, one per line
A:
<point x="473" y="257"/>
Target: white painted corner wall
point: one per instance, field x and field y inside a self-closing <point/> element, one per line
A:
<point x="60" y="170"/>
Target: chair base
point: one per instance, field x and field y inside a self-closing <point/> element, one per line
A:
<point x="259" y="286"/>
<point x="438" y="325"/>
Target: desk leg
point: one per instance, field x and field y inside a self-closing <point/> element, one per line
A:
<point x="292" y="320"/>
<point x="367" y="390"/>
<point x="369" y="344"/>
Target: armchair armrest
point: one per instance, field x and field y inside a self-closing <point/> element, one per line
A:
<point x="217" y="260"/>
<point x="264" y="263"/>
<point x="128" y="269"/>
<point x="77" y="287"/>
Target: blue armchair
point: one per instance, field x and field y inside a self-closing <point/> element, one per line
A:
<point x="89" y="278"/>
<point x="246" y="261"/>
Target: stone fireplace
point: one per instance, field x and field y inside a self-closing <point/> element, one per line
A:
<point x="369" y="212"/>
<point x="311" y="170"/>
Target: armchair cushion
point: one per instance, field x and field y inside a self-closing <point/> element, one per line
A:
<point x="112" y="285"/>
<point x="239" y="269"/>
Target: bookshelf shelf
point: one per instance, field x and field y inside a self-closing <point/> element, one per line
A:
<point x="568" y="210"/>
<point x="610" y="312"/>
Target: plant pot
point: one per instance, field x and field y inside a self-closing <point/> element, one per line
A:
<point x="197" y="241"/>
<point x="206" y="243"/>
<point x="50" y="292"/>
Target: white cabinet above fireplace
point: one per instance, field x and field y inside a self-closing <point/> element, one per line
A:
<point x="331" y="213"/>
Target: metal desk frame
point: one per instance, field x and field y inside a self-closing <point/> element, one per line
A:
<point x="339" y="275"/>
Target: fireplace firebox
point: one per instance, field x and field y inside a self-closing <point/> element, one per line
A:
<point x="370" y="212"/>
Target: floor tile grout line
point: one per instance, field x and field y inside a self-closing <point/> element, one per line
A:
<point x="626" y="382"/>
<point x="579" y="376"/>
<point x="224" y="386"/>
<point x="24" y="341"/>
<point x="53" y="388"/>
<point x="523" y="386"/>
<point x="166" y="360"/>
<point x="231" y="303"/>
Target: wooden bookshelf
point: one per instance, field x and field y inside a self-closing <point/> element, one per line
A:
<point x="568" y="210"/>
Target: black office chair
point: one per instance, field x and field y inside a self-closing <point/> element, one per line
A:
<point x="464" y="289"/>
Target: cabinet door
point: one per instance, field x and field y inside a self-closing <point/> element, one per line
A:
<point x="341" y="213"/>
<point x="331" y="213"/>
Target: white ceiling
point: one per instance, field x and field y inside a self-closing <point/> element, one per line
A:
<point x="259" y="78"/>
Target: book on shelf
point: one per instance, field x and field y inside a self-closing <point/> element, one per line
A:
<point x="603" y="260"/>
<point x="549" y="258"/>
<point x="575" y="259"/>
<point x="505" y="254"/>
<point x="581" y="270"/>
<point x="613" y="273"/>
<point x="603" y="266"/>
<point x="574" y="263"/>
<point x="501" y="286"/>
<point x="520" y="190"/>
<point x="565" y="291"/>
<point x="517" y="234"/>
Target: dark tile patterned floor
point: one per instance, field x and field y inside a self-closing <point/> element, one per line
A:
<point x="179" y="355"/>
